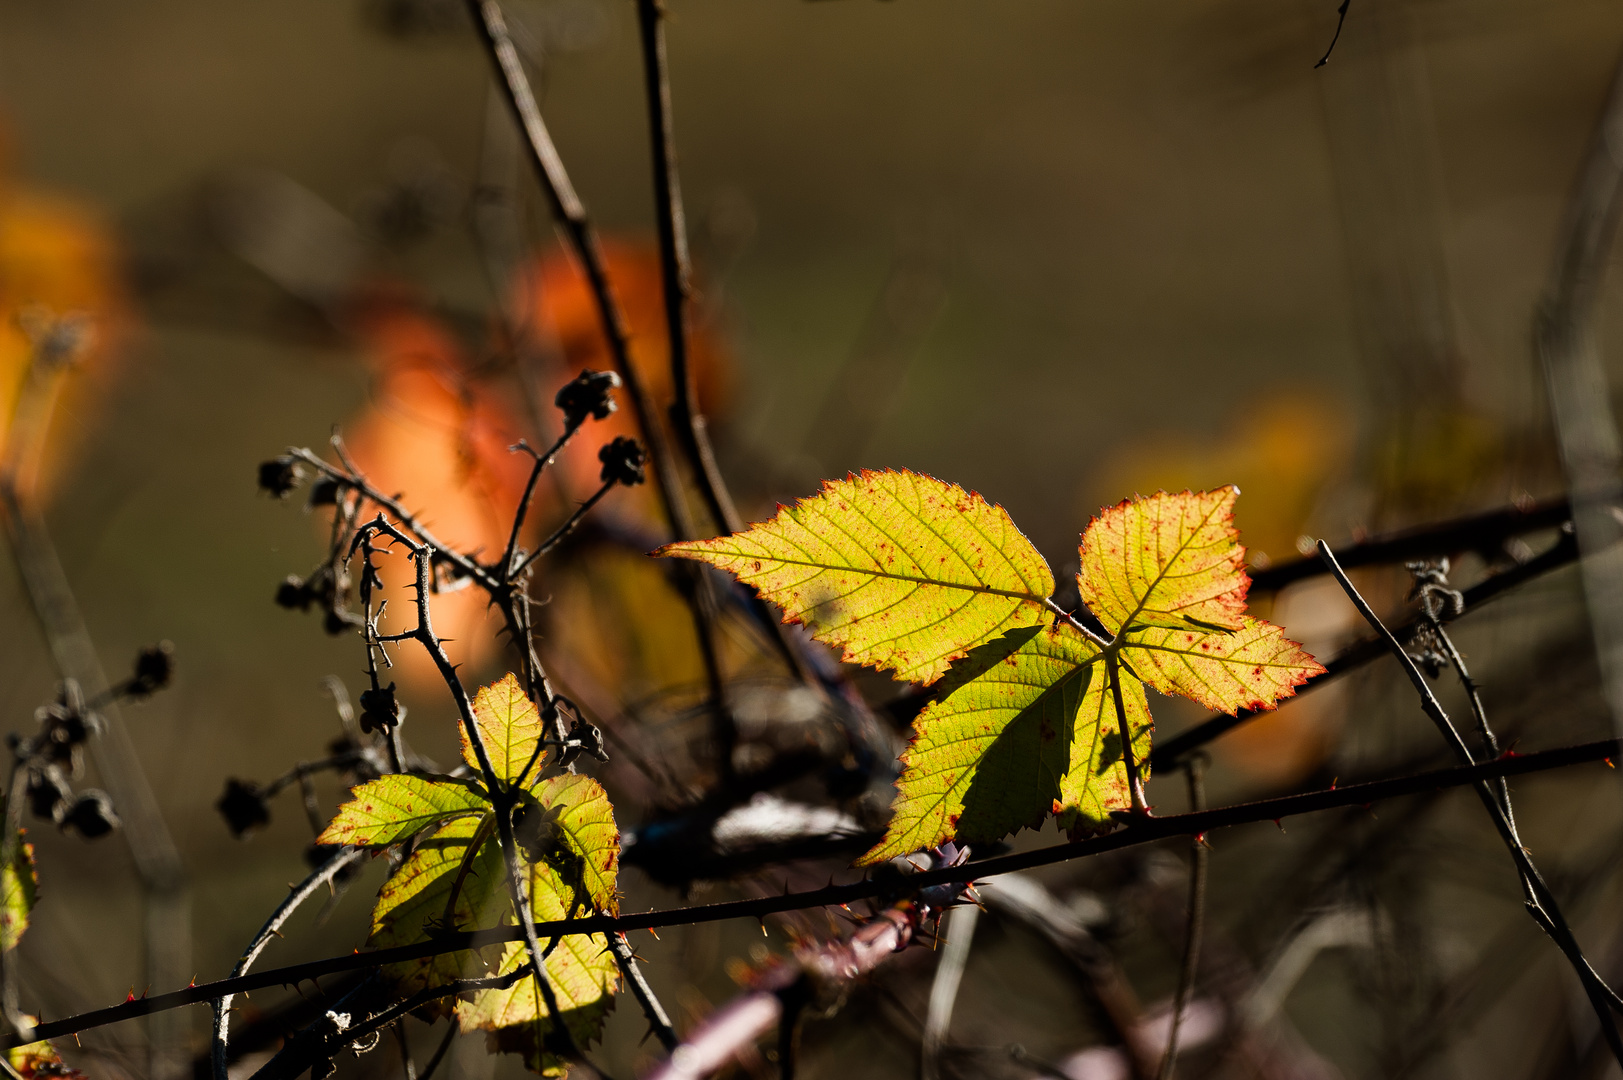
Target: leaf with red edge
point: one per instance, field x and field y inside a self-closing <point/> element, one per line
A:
<point x="1166" y="560"/>
<point x="901" y="570"/>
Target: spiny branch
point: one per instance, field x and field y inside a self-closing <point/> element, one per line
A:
<point x="1140" y="832"/>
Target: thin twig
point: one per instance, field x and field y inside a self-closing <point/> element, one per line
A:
<point x="1145" y="831"/>
<point x="1198" y="858"/>
<point x="272" y="928"/>
<point x="1544" y="908"/>
<point x="1172" y="751"/>
<point x="658" y="1020"/>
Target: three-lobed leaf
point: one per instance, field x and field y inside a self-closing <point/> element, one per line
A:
<point x="901" y="570"/>
<point x="909" y="573"/>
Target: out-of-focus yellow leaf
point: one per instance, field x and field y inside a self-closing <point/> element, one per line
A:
<point x="19" y="887"/>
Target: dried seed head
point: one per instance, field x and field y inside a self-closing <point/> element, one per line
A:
<point x="278" y="476"/>
<point x="379" y="709"/>
<point x="243" y="806"/>
<point x="91" y="816"/>
<point x="591" y="393"/>
<point x="623" y="461"/>
<point x="154" y="667"/>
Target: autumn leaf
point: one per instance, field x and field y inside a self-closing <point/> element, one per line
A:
<point x="1164" y="575"/>
<point x="1169" y="560"/>
<point x="509" y="725"/>
<point x="414" y="899"/>
<point x="901" y="570"/>
<point x="18" y="890"/>
<point x="583" y="822"/>
<point x="39" y="1060"/>
<point x="909" y="573"/>
<point x="393" y="808"/>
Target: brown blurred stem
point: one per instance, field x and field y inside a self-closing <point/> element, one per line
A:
<point x="582" y="237"/>
<point x="676" y="269"/>
<point x="1541" y="903"/>
<point x="1195" y="771"/>
<point x="676" y="273"/>
<point x="157" y="860"/>
<point x="1565" y="342"/>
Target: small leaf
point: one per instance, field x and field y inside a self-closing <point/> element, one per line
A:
<point x="40" y="1061"/>
<point x="509" y="725"/>
<point x="1166" y="560"/>
<point x="412" y="903"/>
<point x="581" y="970"/>
<point x="990" y="755"/>
<point x="902" y="570"/>
<point x="584" y="820"/>
<point x="1251" y="668"/>
<point x="390" y="809"/>
<point x="18" y="890"/>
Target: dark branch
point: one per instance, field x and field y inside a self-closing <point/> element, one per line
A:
<point x="1141" y="832"/>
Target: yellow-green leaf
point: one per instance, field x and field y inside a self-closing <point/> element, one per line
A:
<point x="582" y="972"/>
<point x="18" y="890"/>
<point x="990" y="755"/>
<point x="1096" y="782"/>
<point x="1253" y="667"/>
<point x="412" y="902"/>
<point x="40" y="1061"/>
<point x="1166" y="560"/>
<point x="509" y="725"/>
<point x="901" y="570"/>
<point x="579" y="812"/>
<point x="390" y="809"/>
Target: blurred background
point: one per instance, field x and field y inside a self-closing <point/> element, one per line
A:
<point x="1056" y="252"/>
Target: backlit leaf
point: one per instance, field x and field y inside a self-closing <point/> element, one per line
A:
<point x="18" y="889"/>
<point x="988" y="756"/>
<point x="1029" y="724"/>
<point x="413" y="902"/>
<point x="584" y="821"/>
<point x="1166" y="560"/>
<point x="390" y="809"/>
<point x="582" y="972"/>
<point x="40" y="1061"/>
<point x="902" y="570"/>
<point x="1253" y="667"/>
<point x="1096" y="782"/>
<point x="509" y="725"/>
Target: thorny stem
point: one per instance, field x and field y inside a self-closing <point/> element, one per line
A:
<point x="658" y="1020"/>
<point x="1542" y="904"/>
<point x="501" y="798"/>
<point x="1141" y="831"/>
<point x="1198" y="857"/>
<point x="272" y="928"/>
